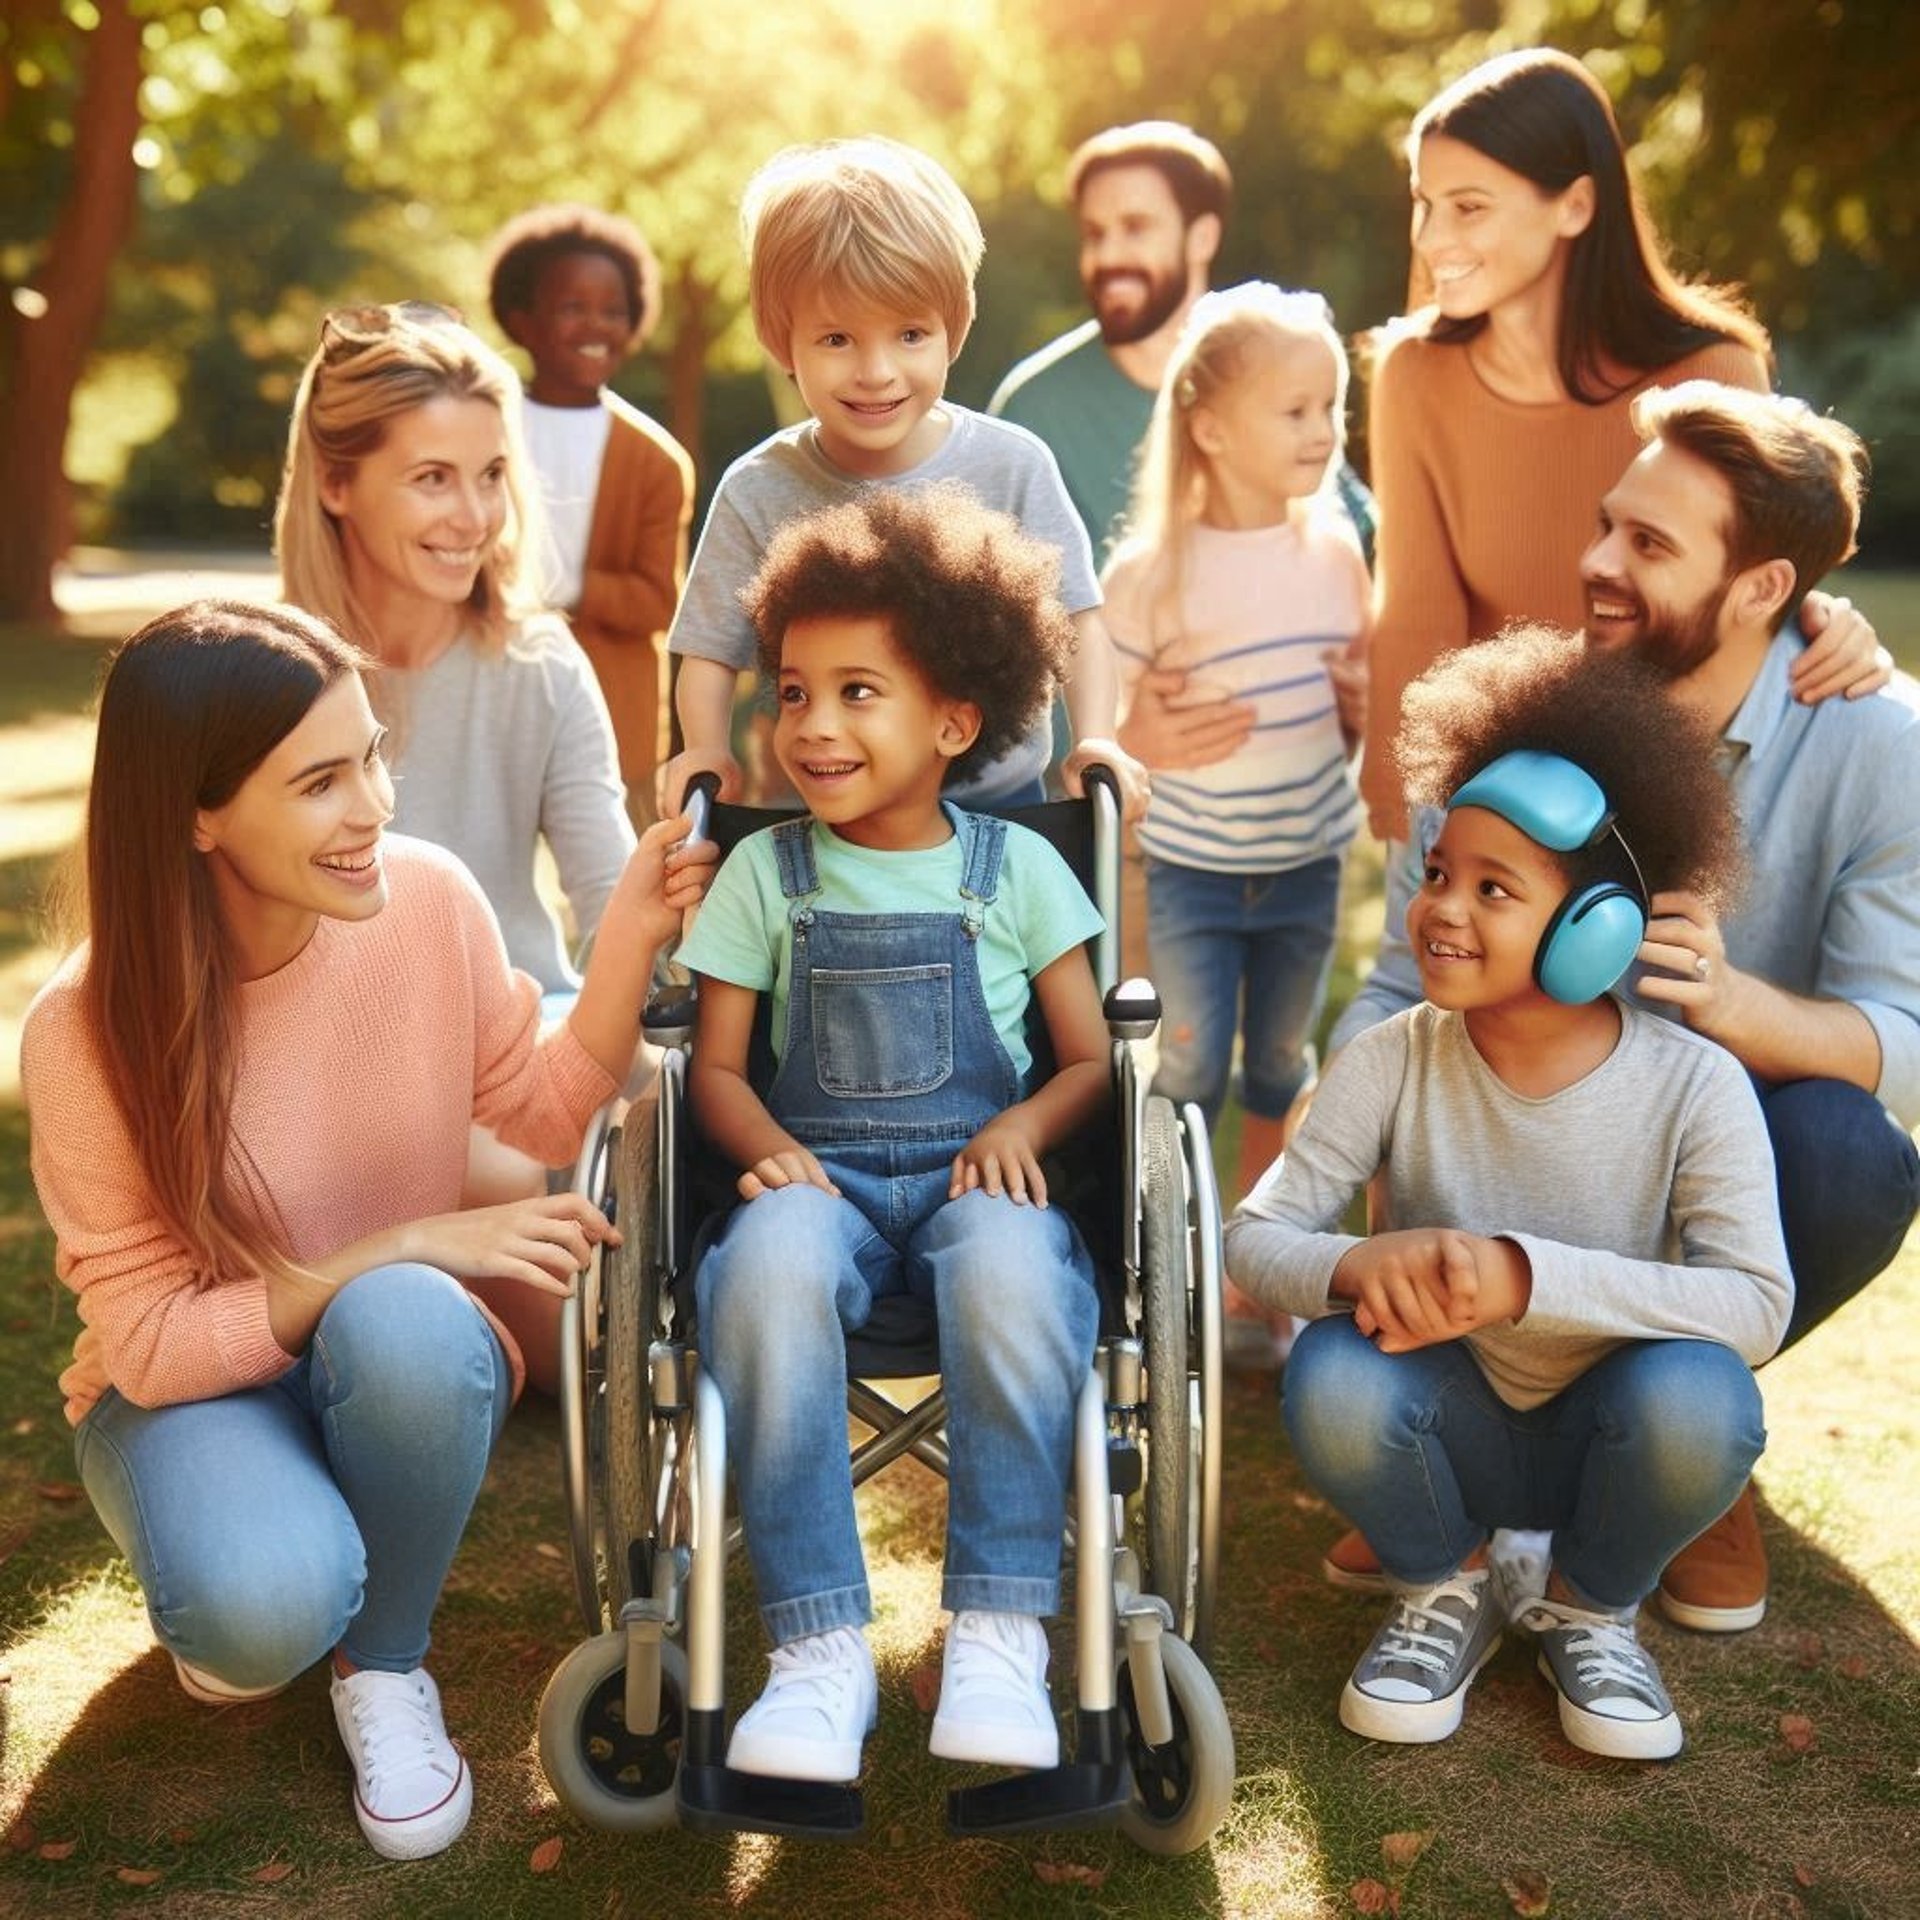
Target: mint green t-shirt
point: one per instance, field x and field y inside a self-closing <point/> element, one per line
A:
<point x="1039" y="911"/>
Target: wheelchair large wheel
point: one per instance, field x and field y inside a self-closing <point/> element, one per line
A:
<point x="610" y="1778"/>
<point x="1174" y="1428"/>
<point x="1181" y="1791"/>
<point x="632" y="1286"/>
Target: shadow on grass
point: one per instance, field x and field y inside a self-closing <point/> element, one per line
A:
<point x="46" y="673"/>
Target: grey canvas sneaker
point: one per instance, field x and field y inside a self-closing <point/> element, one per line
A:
<point x="1612" y="1699"/>
<point x="1411" y="1683"/>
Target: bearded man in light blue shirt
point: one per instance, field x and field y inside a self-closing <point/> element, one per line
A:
<point x="1736" y="505"/>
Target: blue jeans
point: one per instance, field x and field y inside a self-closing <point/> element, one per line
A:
<point x="792" y="1273"/>
<point x="1232" y="951"/>
<point x="1849" y="1187"/>
<point x="269" y="1526"/>
<point x="1644" y="1451"/>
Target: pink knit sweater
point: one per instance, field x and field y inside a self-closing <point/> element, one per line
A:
<point x="363" y="1063"/>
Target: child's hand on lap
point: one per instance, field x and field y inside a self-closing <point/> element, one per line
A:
<point x="999" y="1158"/>
<point x="791" y="1167"/>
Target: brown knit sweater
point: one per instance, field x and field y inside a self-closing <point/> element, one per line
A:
<point x="1485" y="508"/>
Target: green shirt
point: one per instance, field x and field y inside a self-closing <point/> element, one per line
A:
<point x="1039" y="911"/>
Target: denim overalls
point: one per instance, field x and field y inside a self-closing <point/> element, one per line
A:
<point x="891" y="1065"/>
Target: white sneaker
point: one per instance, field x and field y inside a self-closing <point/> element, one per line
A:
<point x="820" y="1702"/>
<point x="411" y="1788"/>
<point x="198" y="1684"/>
<point x="994" y="1707"/>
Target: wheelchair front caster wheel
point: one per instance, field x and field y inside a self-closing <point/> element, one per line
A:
<point x="1180" y="1791"/>
<point x="610" y="1778"/>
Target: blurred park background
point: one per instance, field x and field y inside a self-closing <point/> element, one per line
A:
<point x="189" y="186"/>
<point x="185" y="189"/>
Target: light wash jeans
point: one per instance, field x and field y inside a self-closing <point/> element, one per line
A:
<point x="1625" y="1465"/>
<point x="1246" y="953"/>
<point x="270" y="1526"/>
<point x="796" y="1270"/>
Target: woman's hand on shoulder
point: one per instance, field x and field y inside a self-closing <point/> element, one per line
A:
<point x="1843" y="654"/>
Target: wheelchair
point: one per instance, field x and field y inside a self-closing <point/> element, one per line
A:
<point x="632" y="1725"/>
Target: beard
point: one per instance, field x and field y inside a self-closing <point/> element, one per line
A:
<point x="1166" y="292"/>
<point x="1674" y="641"/>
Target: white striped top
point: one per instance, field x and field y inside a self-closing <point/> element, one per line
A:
<point x="1257" y="610"/>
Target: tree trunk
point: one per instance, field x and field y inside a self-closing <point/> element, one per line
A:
<point x="44" y="357"/>
<point x="687" y="364"/>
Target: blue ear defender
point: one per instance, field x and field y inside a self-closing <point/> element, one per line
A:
<point x="1597" y="929"/>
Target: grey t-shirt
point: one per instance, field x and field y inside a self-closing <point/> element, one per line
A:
<point x="1643" y="1194"/>
<point x="786" y="476"/>
<point x="500" y="750"/>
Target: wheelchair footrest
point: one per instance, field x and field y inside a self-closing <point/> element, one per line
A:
<point x="1066" y="1798"/>
<point x="1092" y="1790"/>
<point x="719" y="1800"/>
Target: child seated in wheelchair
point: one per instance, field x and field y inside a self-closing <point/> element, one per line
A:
<point x="900" y="1144"/>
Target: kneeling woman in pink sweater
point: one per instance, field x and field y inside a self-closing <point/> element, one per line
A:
<point x="250" y="1093"/>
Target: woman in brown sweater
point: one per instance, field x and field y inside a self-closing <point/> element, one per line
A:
<point x="1498" y="411"/>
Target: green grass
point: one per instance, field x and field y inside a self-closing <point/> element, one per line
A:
<point x="107" y="1770"/>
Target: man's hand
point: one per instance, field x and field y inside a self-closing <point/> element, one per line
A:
<point x="1171" y="736"/>
<point x="1687" y="958"/>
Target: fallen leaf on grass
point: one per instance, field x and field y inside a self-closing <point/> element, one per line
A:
<point x="1373" y="1896"/>
<point x="1398" y="1851"/>
<point x="59" y="1491"/>
<point x="1528" y="1894"/>
<point x="548" y="1551"/>
<point x="546" y="1856"/>
<point x="1061" y="1873"/>
<point x="57" y="1849"/>
<point x="926" y="1686"/>
<point x="1808" y="1650"/>
<point x="181" y="1836"/>
<point x="1797" y="1731"/>
<point x="272" y="1873"/>
<point x="1803" y="1874"/>
<point x="24" y="1425"/>
<point x="21" y="1836"/>
<point x="137" y="1876"/>
<point x="1854" y="1666"/>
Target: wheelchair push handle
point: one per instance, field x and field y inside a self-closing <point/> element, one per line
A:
<point x="697" y="803"/>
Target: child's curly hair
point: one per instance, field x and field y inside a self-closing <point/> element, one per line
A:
<point x="969" y="598"/>
<point x="530" y="242"/>
<point x="1534" y="688"/>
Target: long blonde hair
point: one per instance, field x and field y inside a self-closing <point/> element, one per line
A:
<point x="373" y="365"/>
<point x="192" y="704"/>
<point x="1227" y="336"/>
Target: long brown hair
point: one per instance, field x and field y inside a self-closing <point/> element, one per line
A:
<point x="192" y="704"/>
<point x="1624" y="312"/>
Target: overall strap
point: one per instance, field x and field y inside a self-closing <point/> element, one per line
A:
<point x="986" y="845"/>
<point x="793" y="851"/>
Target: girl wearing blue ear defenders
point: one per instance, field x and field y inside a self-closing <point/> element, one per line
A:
<point x="1586" y="1262"/>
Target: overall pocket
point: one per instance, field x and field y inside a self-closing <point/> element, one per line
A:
<point x="882" y="1032"/>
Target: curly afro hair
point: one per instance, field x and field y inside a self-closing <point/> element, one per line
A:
<point x="1534" y="688"/>
<point x="969" y="598"/>
<point x="530" y="242"/>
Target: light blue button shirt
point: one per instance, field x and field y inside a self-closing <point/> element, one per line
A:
<point x="1829" y="797"/>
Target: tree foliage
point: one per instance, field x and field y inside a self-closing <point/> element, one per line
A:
<point x="287" y="153"/>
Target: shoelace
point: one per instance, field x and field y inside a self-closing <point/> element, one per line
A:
<point x="806" y="1674"/>
<point x="396" y="1728"/>
<point x="1605" y="1650"/>
<point x="1407" y="1638"/>
<point x="1010" y="1677"/>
